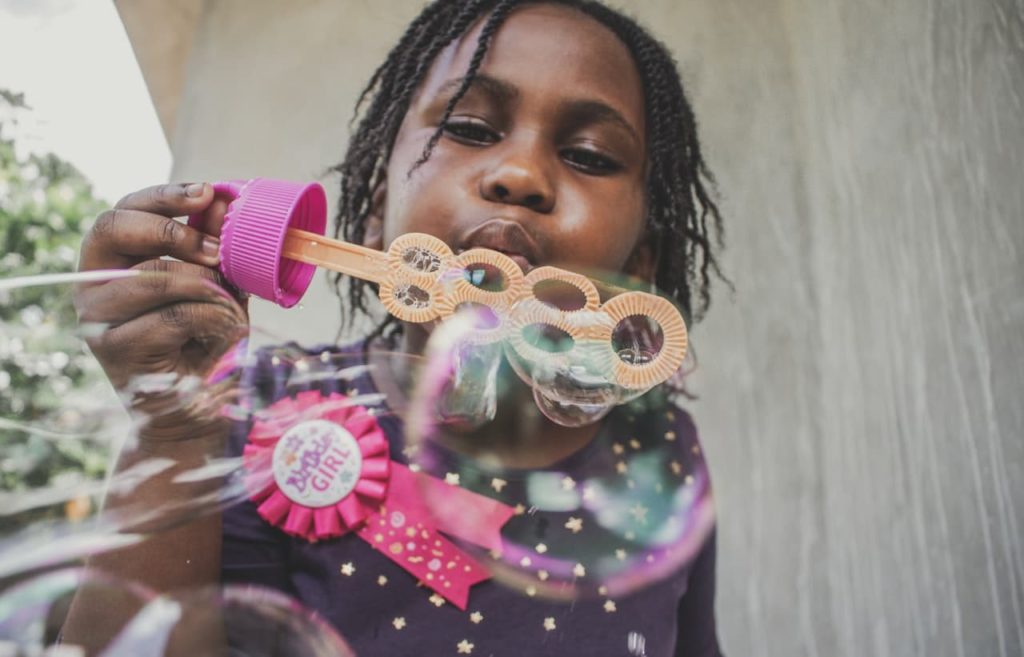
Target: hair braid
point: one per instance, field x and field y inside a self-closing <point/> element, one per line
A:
<point x="494" y="21"/>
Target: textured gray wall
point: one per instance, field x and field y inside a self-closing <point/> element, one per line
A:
<point x="861" y="391"/>
<point x="862" y="394"/>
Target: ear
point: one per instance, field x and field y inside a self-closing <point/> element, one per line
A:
<point x="374" y="236"/>
<point x="642" y="262"/>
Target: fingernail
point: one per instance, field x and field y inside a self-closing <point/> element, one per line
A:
<point x="195" y="190"/>
<point x="211" y="247"/>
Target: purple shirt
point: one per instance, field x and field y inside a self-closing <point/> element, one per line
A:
<point x="674" y="616"/>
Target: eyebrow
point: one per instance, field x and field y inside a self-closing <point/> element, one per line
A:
<point x="594" y="111"/>
<point x="500" y="91"/>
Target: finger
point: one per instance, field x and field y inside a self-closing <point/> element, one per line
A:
<point x="212" y="218"/>
<point x="161" y="282"/>
<point x="178" y="200"/>
<point x="164" y="331"/>
<point x="121" y="238"/>
<point x="172" y="200"/>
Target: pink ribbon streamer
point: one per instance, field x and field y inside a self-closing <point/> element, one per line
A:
<point x="385" y="504"/>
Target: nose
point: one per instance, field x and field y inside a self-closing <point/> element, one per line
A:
<point x="519" y="177"/>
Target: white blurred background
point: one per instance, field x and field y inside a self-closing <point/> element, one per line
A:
<point x="89" y="104"/>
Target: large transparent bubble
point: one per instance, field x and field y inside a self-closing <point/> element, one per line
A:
<point x="543" y="470"/>
<point x="63" y="424"/>
<point x="606" y="484"/>
<point x="522" y="458"/>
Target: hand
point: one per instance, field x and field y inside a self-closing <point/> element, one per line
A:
<point x="175" y="318"/>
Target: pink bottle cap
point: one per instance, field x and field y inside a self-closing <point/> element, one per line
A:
<point x="251" y="241"/>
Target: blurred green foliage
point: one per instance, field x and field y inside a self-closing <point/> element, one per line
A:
<point x="46" y="372"/>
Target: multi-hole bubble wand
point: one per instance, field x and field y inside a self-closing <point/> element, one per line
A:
<point x="273" y="240"/>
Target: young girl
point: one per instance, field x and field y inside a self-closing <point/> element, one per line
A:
<point x="556" y="132"/>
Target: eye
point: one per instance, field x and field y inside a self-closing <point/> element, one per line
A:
<point x="590" y="161"/>
<point x="470" y="131"/>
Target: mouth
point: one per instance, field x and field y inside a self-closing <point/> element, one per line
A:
<point x="506" y="237"/>
<point x="521" y="261"/>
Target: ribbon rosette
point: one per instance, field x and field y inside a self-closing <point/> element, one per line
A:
<point x="319" y="467"/>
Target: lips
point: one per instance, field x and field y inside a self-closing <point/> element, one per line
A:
<point x="506" y="237"/>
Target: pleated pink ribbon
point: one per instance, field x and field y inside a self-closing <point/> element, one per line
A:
<point x="319" y="467"/>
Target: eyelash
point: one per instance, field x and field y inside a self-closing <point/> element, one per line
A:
<point x="476" y="133"/>
<point x="591" y="160"/>
<point x="470" y="132"/>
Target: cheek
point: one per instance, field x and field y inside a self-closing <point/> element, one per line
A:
<point x="629" y="216"/>
<point x="424" y="201"/>
<point x="606" y="225"/>
<point x="404" y="191"/>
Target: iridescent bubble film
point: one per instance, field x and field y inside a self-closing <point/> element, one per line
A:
<point x="79" y="611"/>
<point x="34" y="613"/>
<point x="608" y="489"/>
<point x="520" y="459"/>
<point x="234" y="620"/>
<point x="63" y="425"/>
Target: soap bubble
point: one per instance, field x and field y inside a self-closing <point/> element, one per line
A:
<point x="564" y="344"/>
<point x="34" y="611"/>
<point x="248" y="621"/>
<point x="77" y="611"/>
<point x="573" y="387"/>
<point x="606" y="486"/>
<point x="62" y="423"/>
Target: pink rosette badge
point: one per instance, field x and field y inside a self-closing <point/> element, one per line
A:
<point x="319" y="467"/>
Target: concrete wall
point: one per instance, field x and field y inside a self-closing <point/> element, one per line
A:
<point x="861" y="392"/>
<point x="162" y="34"/>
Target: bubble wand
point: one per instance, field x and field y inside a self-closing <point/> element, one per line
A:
<point x="273" y="240"/>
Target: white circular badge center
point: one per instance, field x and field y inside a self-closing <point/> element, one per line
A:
<point x="317" y="463"/>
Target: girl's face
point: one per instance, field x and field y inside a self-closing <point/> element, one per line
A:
<point x="543" y="158"/>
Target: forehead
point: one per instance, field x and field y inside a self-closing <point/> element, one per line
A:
<point x="550" y="52"/>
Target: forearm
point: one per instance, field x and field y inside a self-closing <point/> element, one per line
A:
<point x="182" y="548"/>
<point x="181" y="542"/>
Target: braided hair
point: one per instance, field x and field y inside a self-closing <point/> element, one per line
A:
<point x="679" y="204"/>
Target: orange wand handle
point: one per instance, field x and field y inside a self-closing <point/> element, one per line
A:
<point x="351" y="259"/>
